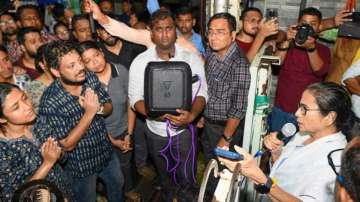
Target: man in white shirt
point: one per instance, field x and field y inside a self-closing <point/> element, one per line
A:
<point x="163" y="34"/>
<point x="351" y="79"/>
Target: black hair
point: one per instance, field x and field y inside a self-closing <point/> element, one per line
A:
<point x="110" y="1"/>
<point x="86" y="45"/>
<point x="332" y="97"/>
<point x="55" y="51"/>
<point x="310" y="11"/>
<point x="249" y="9"/>
<point x="350" y="171"/>
<point x="9" y="14"/>
<point x="184" y="11"/>
<point x="59" y="24"/>
<point x="226" y="16"/>
<point x="3" y="49"/>
<point x="160" y="15"/>
<point x="22" y="8"/>
<point x="40" y="57"/>
<point x="76" y="18"/>
<point x="58" y="11"/>
<point x="23" y="31"/>
<point x="5" y="89"/>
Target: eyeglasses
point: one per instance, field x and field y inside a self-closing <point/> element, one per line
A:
<point x="3" y="23"/>
<point x="220" y="33"/>
<point x="304" y="109"/>
<point x="335" y="166"/>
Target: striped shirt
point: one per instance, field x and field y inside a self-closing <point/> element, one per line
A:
<point x="228" y="84"/>
<point x="59" y="112"/>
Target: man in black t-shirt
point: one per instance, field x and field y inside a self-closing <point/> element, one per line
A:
<point x="116" y="50"/>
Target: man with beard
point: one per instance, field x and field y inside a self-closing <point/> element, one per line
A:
<point x="30" y="40"/>
<point x="163" y="34"/>
<point x="117" y="51"/>
<point x="185" y="22"/>
<point x="71" y="110"/>
<point x="9" y="29"/>
<point x="254" y="31"/>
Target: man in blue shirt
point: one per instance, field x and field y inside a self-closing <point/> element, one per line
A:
<point x="71" y="110"/>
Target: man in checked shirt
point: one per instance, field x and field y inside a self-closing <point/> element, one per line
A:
<point x="228" y="76"/>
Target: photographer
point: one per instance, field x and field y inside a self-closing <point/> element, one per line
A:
<point x="301" y="170"/>
<point x="304" y="61"/>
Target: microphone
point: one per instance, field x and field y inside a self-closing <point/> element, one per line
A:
<point x="286" y="133"/>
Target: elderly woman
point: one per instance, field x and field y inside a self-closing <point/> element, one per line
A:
<point x="22" y="158"/>
<point x="300" y="170"/>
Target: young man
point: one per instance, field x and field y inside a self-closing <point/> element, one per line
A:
<point x="30" y="40"/>
<point x="71" y="110"/>
<point x="9" y="29"/>
<point x="163" y="33"/>
<point x="228" y="76"/>
<point x="302" y="64"/>
<point x="81" y="28"/>
<point x="116" y="50"/>
<point x="254" y="31"/>
<point x="120" y="124"/>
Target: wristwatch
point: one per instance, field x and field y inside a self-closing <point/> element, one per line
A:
<point x="226" y="138"/>
<point x="264" y="188"/>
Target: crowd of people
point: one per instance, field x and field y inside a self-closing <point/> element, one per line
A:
<point x="73" y="106"/>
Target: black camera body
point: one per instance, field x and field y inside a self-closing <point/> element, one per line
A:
<point x="303" y="32"/>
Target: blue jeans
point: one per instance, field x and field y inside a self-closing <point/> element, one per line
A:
<point x="85" y="188"/>
<point x="278" y="118"/>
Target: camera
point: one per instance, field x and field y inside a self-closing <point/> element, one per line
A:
<point x="303" y="32"/>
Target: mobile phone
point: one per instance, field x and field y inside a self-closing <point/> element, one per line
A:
<point x="228" y="154"/>
<point x="271" y="13"/>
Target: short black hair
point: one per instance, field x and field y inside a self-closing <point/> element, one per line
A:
<point x="56" y="50"/>
<point x="59" y="24"/>
<point x="184" y="11"/>
<point x="226" y="16"/>
<point x="22" y="8"/>
<point x="249" y="9"/>
<point x="160" y="15"/>
<point x="9" y="14"/>
<point x="3" y="49"/>
<point x="350" y="171"/>
<point x="40" y="57"/>
<point x="23" y="31"/>
<point x="310" y="11"/>
<point x="86" y="45"/>
<point x="58" y="11"/>
<point x="78" y="17"/>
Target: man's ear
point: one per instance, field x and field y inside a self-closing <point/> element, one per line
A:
<point x="55" y="72"/>
<point x="22" y="47"/>
<point x="18" y="23"/>
<point x="193" y="22"/>
<point x="233" y="35"/>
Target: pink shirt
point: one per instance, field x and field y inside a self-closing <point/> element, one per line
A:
<point x="296" y="74"/>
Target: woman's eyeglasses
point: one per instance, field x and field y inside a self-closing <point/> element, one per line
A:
<point x="304" y="109"/>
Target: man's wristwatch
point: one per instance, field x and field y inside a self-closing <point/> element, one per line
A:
<point x="226" y="138"/>
<point x="264" y="188"/>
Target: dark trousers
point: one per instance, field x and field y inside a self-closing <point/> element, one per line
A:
<point x="127" y="168"/>
<point x="184" y="190"/>
<point x="140" y="145"/>
<point x="211" y="135"/>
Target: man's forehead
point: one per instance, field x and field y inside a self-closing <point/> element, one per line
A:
<point x="164" y="22"/>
